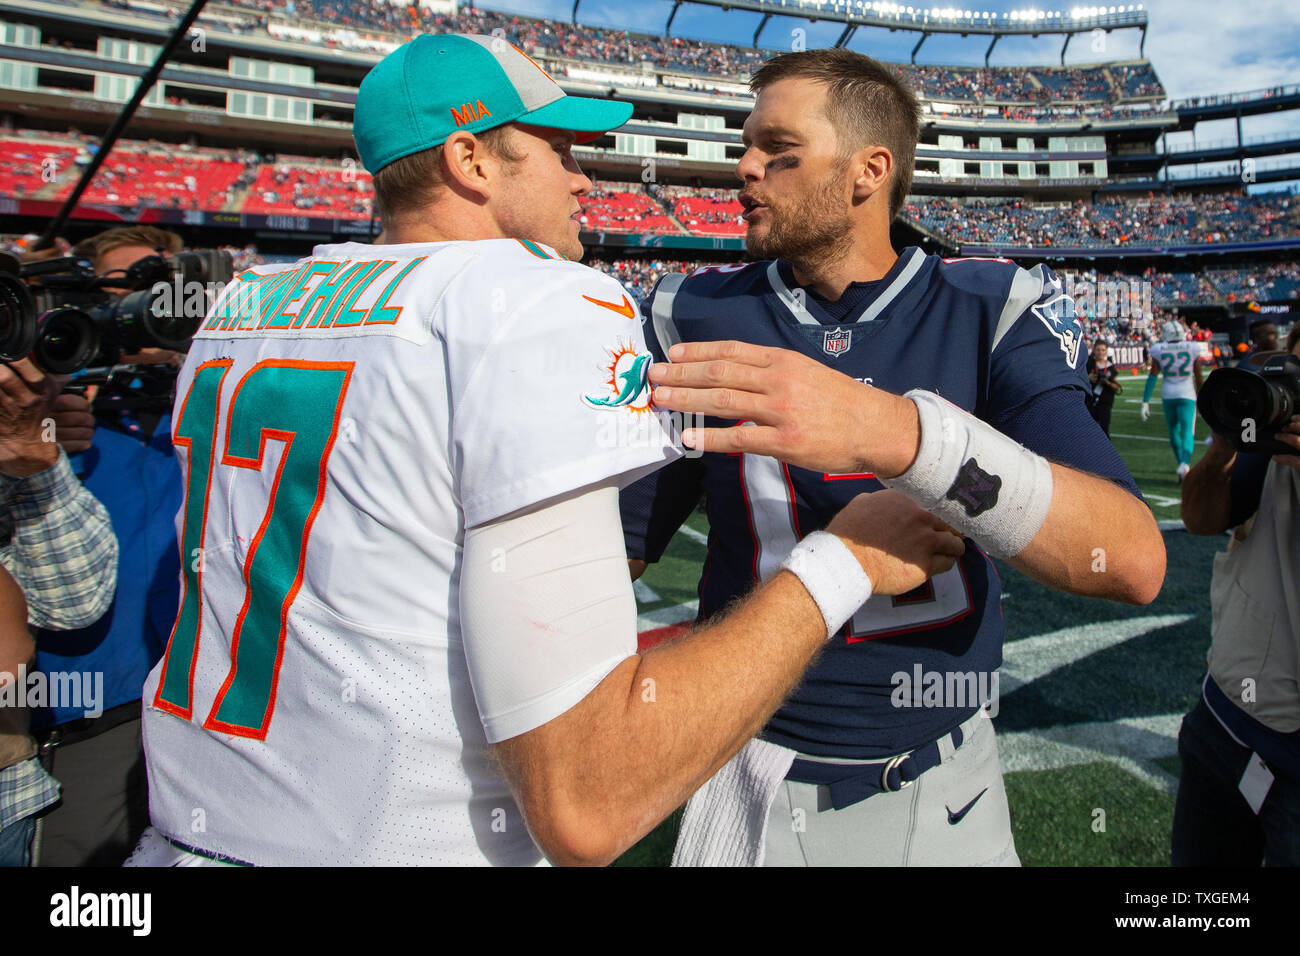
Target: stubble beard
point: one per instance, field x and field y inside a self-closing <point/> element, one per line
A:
<point x="809" y="233"/>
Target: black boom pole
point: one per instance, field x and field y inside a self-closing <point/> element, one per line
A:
<point x="106" y="145"/>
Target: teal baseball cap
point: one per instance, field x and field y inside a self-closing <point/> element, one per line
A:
<point x="436" y="84"/>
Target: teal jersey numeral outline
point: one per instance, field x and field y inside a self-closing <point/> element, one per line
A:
<point x="299" y="404"/>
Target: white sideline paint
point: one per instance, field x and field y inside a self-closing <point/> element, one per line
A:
<point x="1138" y="437"/>
<point x="1027" y="660"/>
<point x="696" y="536"/>
<point x="664" y="616"/>
<point x="1164" y="502"/>
<point x="645" y="594"/>
<point x="1131" y="744"/>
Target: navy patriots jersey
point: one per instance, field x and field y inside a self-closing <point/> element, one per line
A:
<point x="994" y="339"/>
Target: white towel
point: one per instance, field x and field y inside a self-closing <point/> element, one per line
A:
<point x="725" y="823"/>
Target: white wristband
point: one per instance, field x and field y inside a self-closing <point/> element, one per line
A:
<point x="832" y="576"/>
<point x="975" y="478"/>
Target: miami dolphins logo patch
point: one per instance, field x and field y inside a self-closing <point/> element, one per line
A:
<point x="628" y="383"/>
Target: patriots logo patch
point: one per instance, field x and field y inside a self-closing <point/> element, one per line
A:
<point x="1058" y="314"/>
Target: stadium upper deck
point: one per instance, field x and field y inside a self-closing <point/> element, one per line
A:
<point x="379" y="26"/>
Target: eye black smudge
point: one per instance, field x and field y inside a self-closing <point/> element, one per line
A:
<point x="782" y="162"/>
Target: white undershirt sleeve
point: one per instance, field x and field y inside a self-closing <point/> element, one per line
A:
<point x="546" y="609"/>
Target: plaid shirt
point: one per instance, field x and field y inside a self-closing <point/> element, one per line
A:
<point x="58" y="543"/>
<point x="25" y="789"/>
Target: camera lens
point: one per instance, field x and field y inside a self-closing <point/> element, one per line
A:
<point x="1237" y="401"/>
<point x="17" y="319"/>
<point x="172" y="331"/>
<point x="66" y="341"/>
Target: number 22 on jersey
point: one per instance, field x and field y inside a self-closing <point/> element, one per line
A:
<point x="299" y="404"/>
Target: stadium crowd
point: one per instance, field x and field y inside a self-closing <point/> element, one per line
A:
<point x="181" y="176"/>
<point x="1274" y="282"/>
<point x="378" y="25"/>
<point x="1185" y="219"/>
<point x="639" y="275"/>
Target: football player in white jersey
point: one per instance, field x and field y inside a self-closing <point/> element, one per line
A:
<point x="1180" y="361"/>
<point x="407" y="630"/>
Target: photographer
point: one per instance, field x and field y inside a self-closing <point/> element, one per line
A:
<point x="25" y="788"/>
<point x="1239" y="794"/>
<point x="1263" y="338"/>
<point x="1104" y="378"/>
<point x="126" y="460"/>
<point x="58" y="549"/>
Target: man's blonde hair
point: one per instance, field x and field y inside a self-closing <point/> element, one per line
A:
<point x="168" y="243"/>
<point x="411" y="183"/>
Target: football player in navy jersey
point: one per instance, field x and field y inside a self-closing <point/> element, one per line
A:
<point x="829" y="368"/>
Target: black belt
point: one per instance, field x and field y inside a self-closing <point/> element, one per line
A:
<point x="84" y="728"/>
<point x="850" y="783"/>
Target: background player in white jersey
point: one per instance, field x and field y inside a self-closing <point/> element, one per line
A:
<point x="403" y="556"/>
<point x="1180" y="361"/>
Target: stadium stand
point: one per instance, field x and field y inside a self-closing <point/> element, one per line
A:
<point x="1181" y="288"/>
<point x="300" y="185"/>
<point x="45" y="165"/>
<point x="1137" y="80"/>
<point x="705" y="212"/>
<point x="379" y="25"/>
<point x="1182" y="219"/>
<point x="1246" y="218"/>
<point x="639" y="275"/>
<point x="26" y="162"/>
<point x="619" y="207"/>
<point x="164" y="178"/>
<point x="1273" y="283"/>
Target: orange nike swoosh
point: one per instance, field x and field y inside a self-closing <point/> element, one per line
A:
<point x="624" y="310"/>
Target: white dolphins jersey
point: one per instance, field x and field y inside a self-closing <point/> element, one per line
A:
<point x="1176" y="360"/>
<point x="340" y="422"/>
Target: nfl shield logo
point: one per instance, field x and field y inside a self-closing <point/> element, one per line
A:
<point x="837" y="341"/>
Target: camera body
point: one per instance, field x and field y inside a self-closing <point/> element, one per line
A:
<point x="1249" y="407"/>
<point x="63" y="315"/>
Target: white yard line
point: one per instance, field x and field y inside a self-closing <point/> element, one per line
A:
<point x="664" y="616"/>
<point x="1131" y="744"/>
<point x="1032" y="658"/>
<point x="694" y="535"/>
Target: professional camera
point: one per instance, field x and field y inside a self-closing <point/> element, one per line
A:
<point x="1249" y="407"/>
<point x="61" y="313"/>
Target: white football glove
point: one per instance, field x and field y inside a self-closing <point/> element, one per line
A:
<point x="1146" y="410"/>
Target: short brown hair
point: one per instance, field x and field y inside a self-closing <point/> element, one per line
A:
<point x="412" y="182"/>
<point x="150" y="236"/>
<point x="866" y="102"/>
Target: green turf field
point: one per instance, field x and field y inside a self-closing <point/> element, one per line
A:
<point x="1100" y="688"/>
